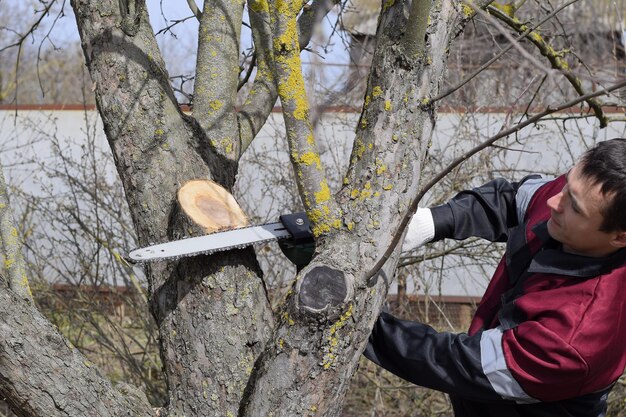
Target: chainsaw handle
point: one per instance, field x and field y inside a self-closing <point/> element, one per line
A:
<point x="299" y="226"/>
<point x="301" y="247"/>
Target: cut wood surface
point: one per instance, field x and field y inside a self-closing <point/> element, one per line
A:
<point x="210" y="206"/>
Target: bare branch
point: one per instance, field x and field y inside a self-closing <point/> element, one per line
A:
<point x="502" y="52"/>
<point x="246" y="77"/>
<point x="553" y="56"/>
<point x="174" y="23"/>
<point x="504" y="133"/>
<point x="194" y="9"/>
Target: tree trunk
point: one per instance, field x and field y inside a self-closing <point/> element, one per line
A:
<point x="212" y="311"/>
<point x="222" y="352"/>
<point x="325" y="323"/>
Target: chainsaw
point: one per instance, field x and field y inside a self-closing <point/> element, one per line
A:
<point x="293" y="232"/>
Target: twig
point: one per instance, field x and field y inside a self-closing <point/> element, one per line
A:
<point x="174" y="23"/>
<point x="251" y="67"/>
<point x="554" y="57"/>
<point x="499" y="55"/>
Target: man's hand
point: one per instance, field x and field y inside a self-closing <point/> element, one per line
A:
<point x="421" y="230"/>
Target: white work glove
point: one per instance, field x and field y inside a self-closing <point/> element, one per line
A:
<point x="421" y="230"/>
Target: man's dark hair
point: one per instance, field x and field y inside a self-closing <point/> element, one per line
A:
<point x="605" y="164"/>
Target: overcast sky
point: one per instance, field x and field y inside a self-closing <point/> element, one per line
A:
<point x="178" y="46"/>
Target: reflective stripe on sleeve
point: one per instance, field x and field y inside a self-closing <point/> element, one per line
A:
<point x="496" y="371"/>
<point x="526" y="192"/>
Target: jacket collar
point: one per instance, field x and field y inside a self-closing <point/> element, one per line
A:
<point x="551" y="259"/>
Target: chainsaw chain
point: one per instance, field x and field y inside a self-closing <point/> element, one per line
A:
<point x="206" y="252"/>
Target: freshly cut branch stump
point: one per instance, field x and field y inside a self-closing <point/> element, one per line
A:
<point x="209" y="205"/>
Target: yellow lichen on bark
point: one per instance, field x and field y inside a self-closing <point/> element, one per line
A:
<point x="322" y="219"/>
<point x="304" y="154"/>
<point x="388" y="4"/>
<point x="507" y="8"/>
<point x="311" y="158"/>
<point x="292" y="87"/>
<point x="216" y="105"/>
<point x="14" y="264"/>
<point x="333" y="338"/>
<point x="467" y="10"/>
<point x="323" y="195"/>
<point x="288" y="39"/>
<point x="259" y="6"/>
<point x="286" y="46"/>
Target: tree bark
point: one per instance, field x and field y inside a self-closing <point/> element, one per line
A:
<point x="41" y="374"/>
<point x="14" y="263"/>
<point x="212" y="311"/>
<point x="222" y="351"/>
<point x="325" y="323"/>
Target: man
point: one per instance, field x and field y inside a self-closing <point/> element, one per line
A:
<point x="549" y="336"/>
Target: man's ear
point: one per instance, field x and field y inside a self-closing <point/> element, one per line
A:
<point x="620" y="240"/>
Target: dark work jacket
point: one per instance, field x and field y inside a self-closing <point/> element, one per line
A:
<point x="548" y="336"/>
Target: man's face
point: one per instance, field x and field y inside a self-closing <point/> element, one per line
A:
<point x="576" y="216"/>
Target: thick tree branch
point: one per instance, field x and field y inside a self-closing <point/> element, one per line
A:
<point x="325" y="321"/>
<point x="263" y="94"/>
<point x="43" y="375"/>
<point x="146" y="130"/>
<point x="414" y="37"/>
<point x="304" y="154"/>
<point x="14" y="263"/>
<point x="212" y="312"/>
<point x="217" y="71"/>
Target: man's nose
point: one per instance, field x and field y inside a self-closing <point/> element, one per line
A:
<point x="554" y="202"/>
